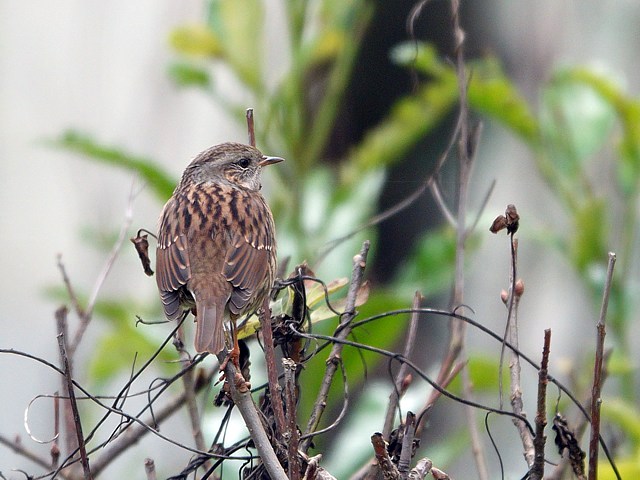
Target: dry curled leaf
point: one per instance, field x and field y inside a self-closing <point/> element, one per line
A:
<point x="141" y="244"/>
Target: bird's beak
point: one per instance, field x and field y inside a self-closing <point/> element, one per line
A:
<point x="269" y="161"/>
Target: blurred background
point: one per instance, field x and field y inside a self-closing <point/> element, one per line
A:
<point x="361" y="115"/>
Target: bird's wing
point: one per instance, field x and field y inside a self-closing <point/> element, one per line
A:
<point x="250" y="250"/>
<point x="173" y="269"/>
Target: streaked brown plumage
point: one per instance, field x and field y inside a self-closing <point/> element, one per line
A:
<point x="216" y="242"/>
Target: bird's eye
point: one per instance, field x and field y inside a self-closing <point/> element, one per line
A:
<point x="244" y="162"/>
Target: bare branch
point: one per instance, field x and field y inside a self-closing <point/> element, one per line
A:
<point x="150" y="469"/>
<point x="275" y="390"/>
<point x="61" y="315"/>
<point x="291" y="426"/>
<point x="385" y="465"/>
<point x="401" y="377"/>
<point x="596" y="401"/>
<point x="242" y="399"/>
<point x="537" y="469"/>
<point x="251" y="130"/>
<point x="342" y="332"/>
<point x="190" y="395"/>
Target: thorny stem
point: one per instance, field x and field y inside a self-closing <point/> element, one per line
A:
<point x="343" y="330"/>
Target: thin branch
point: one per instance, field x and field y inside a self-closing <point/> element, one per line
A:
<point x="468" y="141"/>
<point x="150" y="469"/>
<point x="537" y="470"/>
<point x="135" y="433"/>
<point x="400" y="384"/>
<point x="275" y="390"/>
<point x="16" y="446"/>
<point x="242" y="399"/>
<point x="291" y="426"/>
<point x="343" y="330"/>
<point x="84" y="459"/>
<point x="188" y="383"/>
<point x="404" y="463"/>
<point x="385" y="465"/>
<point x="596" y="401"/>
<point x="251" y="130"/>
<point x="517" y="404"/>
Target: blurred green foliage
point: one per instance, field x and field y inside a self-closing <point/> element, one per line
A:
<point x="581" y="113"/>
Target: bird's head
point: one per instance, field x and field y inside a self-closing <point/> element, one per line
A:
<point x="230" y="163"/>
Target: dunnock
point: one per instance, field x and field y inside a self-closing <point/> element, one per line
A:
<point x="216" y="243"/>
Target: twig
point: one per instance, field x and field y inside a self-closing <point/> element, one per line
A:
<point x="61" y="315"/>
<point x="135" y="433"/>
<point x="404" y="463"/>
<point x="55" y="449"/>
<point x="537" y="470"/>
<point x="400" y="383"/>
<point x="291" y="426"/>
<point x="69" y="287"/>
<point x="250" y="127"/>
<point x="421" y="470"/>
<point x="16" y="446"/>
<point x="436" y="394"/>
<point x="468" y="141"/>
<point x="150" y="468"/>
<point x="386" y="466"/>
<point x="596" y="401"/>
<point x="190" y="395"/>
<point x="579" y="425"/>
<point x="275" y="389"/>
<point x="343" y="330"/>
<point x="517" y="404"/>
<point x="242" y="399"/>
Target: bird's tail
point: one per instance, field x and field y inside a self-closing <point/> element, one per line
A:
<point x="209" y="328"/>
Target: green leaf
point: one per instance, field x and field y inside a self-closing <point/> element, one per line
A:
<point x="492" y="93"/>
<point x="160" y="181"/>
<point x="410" y="119"/>
<point x="628" y="113"/>
<point x="196" y="40"/>
<point x="187" y="75"/>
<point x="421" y="56"/>
<point x="576" y="122"/>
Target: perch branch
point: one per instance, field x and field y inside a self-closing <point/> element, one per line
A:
<point x="242" y="399"/>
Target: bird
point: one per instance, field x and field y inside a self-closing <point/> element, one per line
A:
<point x="216" y="251"/>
